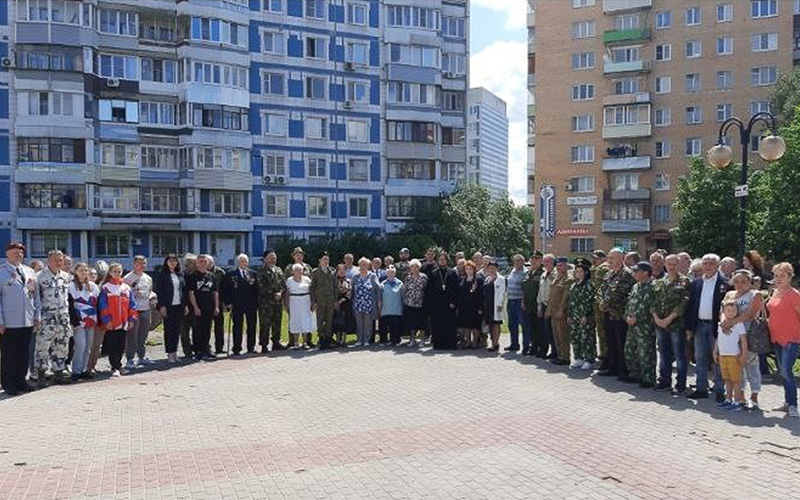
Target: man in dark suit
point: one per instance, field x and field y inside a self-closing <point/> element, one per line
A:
<point x="702" y="318"/>
<point x="240" y="294"/>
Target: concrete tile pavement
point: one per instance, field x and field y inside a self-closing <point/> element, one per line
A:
<point x="385" y="424"/>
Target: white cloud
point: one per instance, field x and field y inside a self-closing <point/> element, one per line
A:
<point x="501" y="67"/>
<point x="516" y="11"/>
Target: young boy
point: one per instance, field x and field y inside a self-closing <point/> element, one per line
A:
<point x="730" y="353"/>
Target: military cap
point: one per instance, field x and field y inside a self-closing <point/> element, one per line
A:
<point x="562" y="260"/>
<point x="267" y="252"/>
<point x="323" y="254"/>
<point x="599" y="254"/>
<point x="405" y="250"/>
<point x="15" y="245"/>
<point x="643" y="266"/>
<point x="584" y="263"/>
<point x="297" y="250"/>
<point x="537" y="254"/>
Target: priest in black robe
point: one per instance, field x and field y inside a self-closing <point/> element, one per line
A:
<point x="442" y="295"/>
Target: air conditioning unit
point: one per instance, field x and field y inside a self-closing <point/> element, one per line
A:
<point x="349" y="66"/>
<point x="113" y="82"/>
<point x="267" y="179"/>
<point x="348" y="104"/>
<point x="7" y="62"/>
<point x="136" y="241"/>
<point x="281" y="180"/>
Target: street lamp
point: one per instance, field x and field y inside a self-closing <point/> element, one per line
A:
<point x="771" y="148"/>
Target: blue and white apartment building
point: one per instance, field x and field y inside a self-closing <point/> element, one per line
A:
<point x="220" y="126"/>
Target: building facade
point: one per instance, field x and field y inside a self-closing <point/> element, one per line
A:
<point x="221" y="126"/>
<point x="628" y="91"/>
<point x="487" y="141"/>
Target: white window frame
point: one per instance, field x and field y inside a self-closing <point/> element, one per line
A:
<point x="318" y="209"/>
<point x="362" y="202"/>
<point x="276" y="205"/>
<point x="316" y="166"/>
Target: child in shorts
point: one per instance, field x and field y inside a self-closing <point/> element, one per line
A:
<point x="730" y="353"/>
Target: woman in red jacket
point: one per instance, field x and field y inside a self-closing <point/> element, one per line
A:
<point x="117" y="315"/>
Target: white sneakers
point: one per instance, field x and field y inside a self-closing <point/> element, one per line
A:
<point x="116" y="373"/>
<point x="576" y="364"/>
<point x="793" y="412"/>
<point x="587" y="365"/>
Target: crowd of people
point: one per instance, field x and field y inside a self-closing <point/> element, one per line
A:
<point x="616" y="315"/>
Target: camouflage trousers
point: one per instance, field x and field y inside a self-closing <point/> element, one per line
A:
<point x="640" y="353"/>
<point x="582" y="337"/>
<point x="561" y="334"/>
<point x="52" y="343"/>
<point x="600" y="321"/>
<point x="270" y="318"/>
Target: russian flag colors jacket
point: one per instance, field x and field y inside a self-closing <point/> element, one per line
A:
<point x="116" y="305"/>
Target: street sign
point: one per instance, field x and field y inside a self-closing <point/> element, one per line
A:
<point x="572" y="231"/>
<point x="547" y="197"/>
<point x="740" y="191"/>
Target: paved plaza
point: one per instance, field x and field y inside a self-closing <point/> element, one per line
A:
<point x="386" y="423"/>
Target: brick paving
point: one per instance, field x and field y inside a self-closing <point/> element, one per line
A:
<point x="386" y="423"/>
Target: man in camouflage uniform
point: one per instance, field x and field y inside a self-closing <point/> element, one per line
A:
<point x="52" y="340"/>
<point x="298" y="255"/>
<point x="612" y="297"/>
<point x="219" y="320"/>
<point x="543" y="303"/>
<point x="402" y="265"/>
<point x="530" y="291"/>
<point x="670" y="296"/>
<point x="323" y="297"/>
<point x="271" y="287"/>
<point x="599" y="271"/>
<point x="580" y="314"/>
<point x="558" y="310"/>
<point x="640" y="346"/>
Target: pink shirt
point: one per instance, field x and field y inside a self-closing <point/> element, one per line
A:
<point x="784" y="322"/>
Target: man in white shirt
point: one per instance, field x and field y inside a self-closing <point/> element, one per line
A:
<point x="543" y="299"/>
<point x="142" y="286"/>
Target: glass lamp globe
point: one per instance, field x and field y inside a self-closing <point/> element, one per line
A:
<point x="720" y="156"/>
<point x="772" y="147"/>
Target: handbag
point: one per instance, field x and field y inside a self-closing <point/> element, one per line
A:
<point x="758" y="340"/>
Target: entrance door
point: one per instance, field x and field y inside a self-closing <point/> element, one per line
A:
<point x="225" y="250"/>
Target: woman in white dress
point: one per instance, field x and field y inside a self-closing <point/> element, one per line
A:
<point x="302" y="319"/>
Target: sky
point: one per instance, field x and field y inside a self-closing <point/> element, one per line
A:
<point x="499" y="55"/>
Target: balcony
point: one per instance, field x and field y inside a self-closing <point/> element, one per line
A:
<point x="626" y="226"/>
<point x="531" y="80"/>
<point x="614" y="6"/>
<point x="619" y="99"/>
<point x="610" y="67"/>
<point x="628" y="163"/>
<point x="531" y="45"/>
<point x="627" y="131"/>
<point x="623" y="36"/>
<point x="642" y="194"/>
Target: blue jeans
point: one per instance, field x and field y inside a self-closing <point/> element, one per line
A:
<point x="516" y="319"/>
<point x="704" y="340"/>
<point x="786" y="356"/>
<point x="672" y="347"/>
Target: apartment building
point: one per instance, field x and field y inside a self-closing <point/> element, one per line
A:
<point x="222" y="126"/>
<point x="487" y="141"/>
<point x="626" y="92"/>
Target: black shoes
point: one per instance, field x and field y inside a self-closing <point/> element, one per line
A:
<point x="698" y="394"/>
<point x="646" y="385"/>
<point x="662" y="387"/>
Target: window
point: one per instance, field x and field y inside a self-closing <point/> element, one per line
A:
<point x="315" y="87"/>
<point x="625" y="182"/>
<point x="317" y="206"/>
<point x="418" y="17"/>
<point x="766" y="75"/>
<point x="161" y="157"/>
<point x="663" y="20"/>
<point x="627" y="244"/>
<point x="315" y="9"/>
<point x="162" y="200"/>
<point x="357" y="52"/>
<point x="764" y="42"/>
<point x="663" y="213"/>
<point x="403" y="207"/>
<point x="219" y="31"/>
<point x="52" y="196"/>
<point x="42" y="243"/>
<point x="626" y="211"/>
<point x="117" y="155"/>
<point x="158" y="113"/>
<point x="220" y="74"/>
<point x="453" y="27"/>
<point x="694" y="115"/>
<point x="167" y="243"/>
<point x="583" y="123"/>
<point x="583" y="29"/>
<point x="222" y="159"/>
<point x="223" y="117"/>
<point x="724" y="80"/>
<point x="51" y="58"/>
<point x="115" y="22"/>
<point x="272" y="83"/>
<point x="663" y="149"/>
<point x="358" y="169"/>
<point x="116" y="199"/>
<point x="693" y="16"/>
<point x="583" y="153"/>
<point x="412" y="169"/>
<point x="454" y="63"/>
<point x="582" y="215"/>
<point x="626" y="86"/>
<point x="760" y="107"/>
<point x="583" y="92"/>
<point x="118" y="111"/>
<point x="274" y="124"/>
<point x="274" y="165"/>
<point x="454" y="171"/>
<point x="664" y="52"/>
<point x="53" y="103"/>
<point x="226" y="202"/>
<point x="663" y="84"/>
<point x="582" y="184"/>
<point x="629" y="114"/>
<point x="661" y="182"/>
<point x="317" y="168"/>
<point x="411" y="131"/>
<point x="417" y="55"/>
<point x="625" y="54"/>
<point x="275" y="6"/>
<point x="276" y="205"/>
<point x="158" y="70"/>
<point x="357" y="14"/>
<point x="693" y="49"/>
<point x="725" y="45"/>
<point x="359" y="207"/>
<point x="453" y="136"/>
<point x="724" y="111"/>
<point x="453" y="100"/>
<point x="415" y="93"/>
<point x="357" y="131"/>
<point x="763" y="8"/>
<point x="273" y="42"/>
<point x="115" y="66"/>
<point x="583" y="60"/>
<point x="662" y="117"/>
<point x="582" y="245"/>
<point x="725" y="13"/>
<point x="43" y="149"/>
<point x="577" y="4"/>
<point x="316" y="127"/>
<point x="624" y="22"/>
<point x="694" y="146"/>
<point x="111" y="245"/>
<point x="693" y="82"/>
<point x="157" y="28"/>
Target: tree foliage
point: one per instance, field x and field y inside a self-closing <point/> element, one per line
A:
<point x="786" y="97"/>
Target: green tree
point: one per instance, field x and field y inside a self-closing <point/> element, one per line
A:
<point x="709" y="211"/>
<point x="786" y="97"/>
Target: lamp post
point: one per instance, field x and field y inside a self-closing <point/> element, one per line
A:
<point x="771" y="148"/>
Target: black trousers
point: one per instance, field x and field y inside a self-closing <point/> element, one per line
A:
<point x="14" y="355"/>
<point x="219" y="332"/>
<point x="238" y="316"/>
<point x="172" y="328"/>
<point x="187" y="332"/>
<point x="391" y="327"/>
<point x="539" y="341"/>
<point x="616" y="334"/>
<point x="201" y="332"/>
<point x="114" y="344"/>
